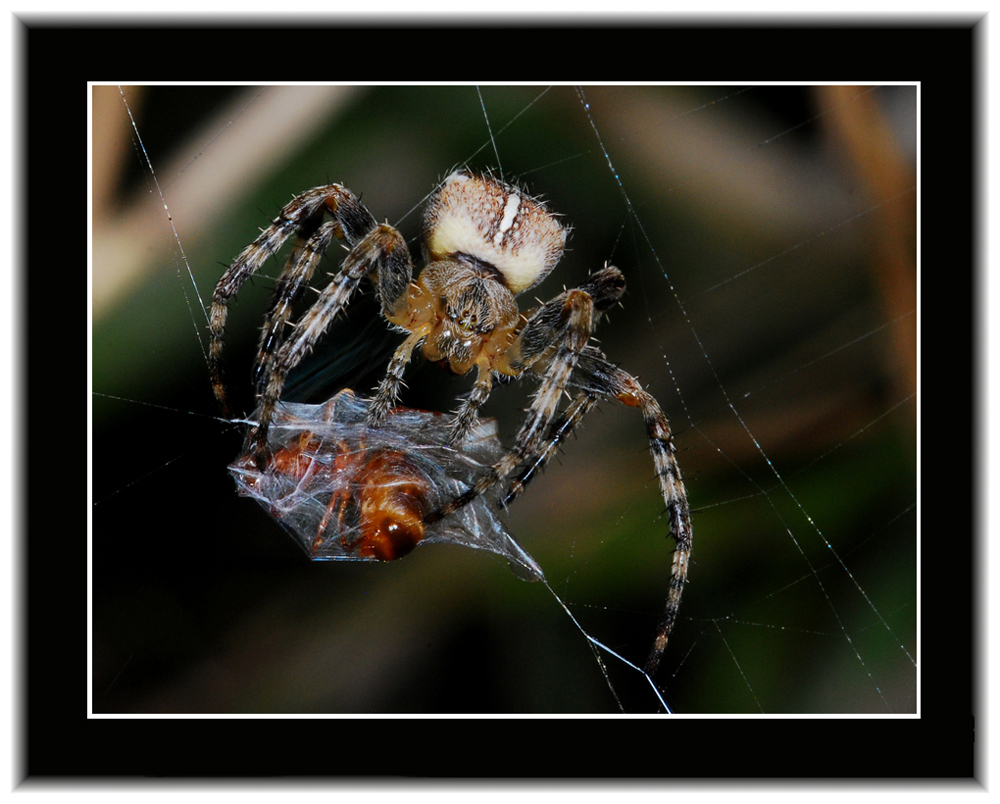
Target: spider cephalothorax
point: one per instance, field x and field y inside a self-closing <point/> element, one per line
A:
<point x="484" y="243"/>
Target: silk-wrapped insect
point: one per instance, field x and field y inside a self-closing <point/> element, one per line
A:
<point x="347" y="491"/>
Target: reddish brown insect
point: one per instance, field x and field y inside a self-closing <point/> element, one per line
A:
<point x="346" y="491"/>
<point x="379" y="497"/>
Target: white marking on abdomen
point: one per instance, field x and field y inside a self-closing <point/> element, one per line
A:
<point x="509" y="214"/>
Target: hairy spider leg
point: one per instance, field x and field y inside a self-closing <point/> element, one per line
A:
<point x="561" y="428"/>
<point x="383" y="256"/>
<point x="599" y="377"/>
<point x="297" y="272"/>
<point x="467" y="414"/>
<point x="388" y="389"/>
<point x="301" y="214"/>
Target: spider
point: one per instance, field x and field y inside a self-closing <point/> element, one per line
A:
<point x="484" y="243"/>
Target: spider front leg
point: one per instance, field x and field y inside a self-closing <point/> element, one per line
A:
<point x="383" y="256"/>
<point x="297" y="272"/>
<point x="303" y="214"/>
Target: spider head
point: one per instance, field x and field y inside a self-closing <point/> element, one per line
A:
<point x="482" y="219"/>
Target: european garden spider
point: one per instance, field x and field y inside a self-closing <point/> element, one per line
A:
<point x="484" y="243"/>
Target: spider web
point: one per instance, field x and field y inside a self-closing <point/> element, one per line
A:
<point x="771" y="309"/>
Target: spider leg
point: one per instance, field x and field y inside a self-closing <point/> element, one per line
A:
<point x="468" y="412"/>
<point x="298" y="270"/>
<point x="301" y="214"/>
<point x="381" y="254"/>
<point x="598" y="377"/>
<point x="388" y="390"/>
<point x="561" y="428"/>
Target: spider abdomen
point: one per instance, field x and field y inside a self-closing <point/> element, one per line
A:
<point x="497" y="223"/>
